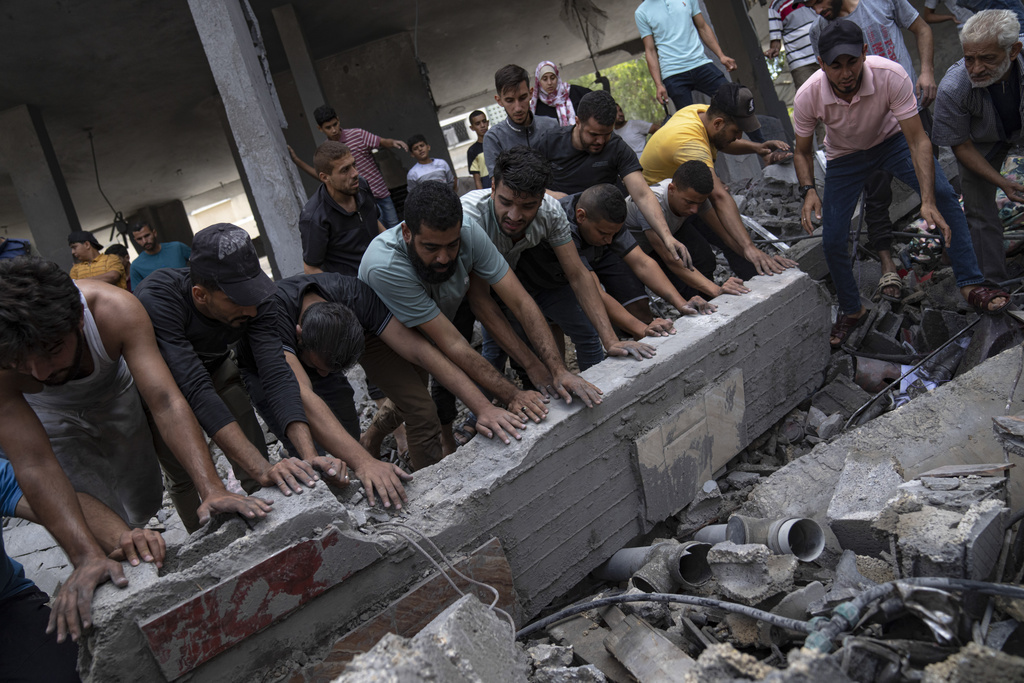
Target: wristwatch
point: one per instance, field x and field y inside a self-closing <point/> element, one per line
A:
<point x="804" y="189"/>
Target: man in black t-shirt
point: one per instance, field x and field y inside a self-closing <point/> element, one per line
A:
<point x="326" y="323"/>
<point x="589" y="154"/>
<point x="610" y="253"/>
<point x="340" y="219"/>
<point x="198" y="313"/>
<point x="475" y="154"/>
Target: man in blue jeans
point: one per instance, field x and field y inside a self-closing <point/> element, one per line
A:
<point x="868" y="107"/>
<point x="674" y="35"/>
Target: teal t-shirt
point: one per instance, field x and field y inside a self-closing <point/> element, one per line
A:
<point x="670" y="22"/>
<point x="12" y="574"/>
<point x="389" y="272"/>
<point x="171" y="255"/>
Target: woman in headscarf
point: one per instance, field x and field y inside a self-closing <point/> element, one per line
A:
<point x="554" y="97"/>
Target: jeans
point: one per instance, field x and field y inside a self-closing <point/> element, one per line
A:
<point x="845" y="178"/>
<point x="560" y="306"/>
<point x="707" y="78"/>
<point x="386" y="212"/>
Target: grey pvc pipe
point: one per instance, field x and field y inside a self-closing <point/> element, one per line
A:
<point x="671" y="567"/>
<point x="624" y="563"/>
<point x="803" y="538"/>
<point x="712" y="534"/>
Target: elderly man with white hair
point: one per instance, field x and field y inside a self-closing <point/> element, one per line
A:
<point x="978" y="112"/>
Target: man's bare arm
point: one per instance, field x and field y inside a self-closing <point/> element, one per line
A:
<point x="654" y="66"/>
<point x="302" y="164"/>
<point x="53" y="499"/>
<point x="926" y="86"/>
<point x="968" y="155"/>
<point x="731" y="229"/>
<point x="111" y="277"/>
<point x="650" y="207"/>
<point x="708" y="37"/>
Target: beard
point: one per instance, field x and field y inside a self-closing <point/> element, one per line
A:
<point x="432" y="275"/>
<point x="995" y="75"/>
<point x="64" y="376"/>
<point x="721" y="139"/>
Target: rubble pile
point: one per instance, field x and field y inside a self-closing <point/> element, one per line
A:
<point x="878" y="536"/>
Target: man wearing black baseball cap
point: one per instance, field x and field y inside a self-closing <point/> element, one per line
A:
<point x="198" y="314"/>
<point x="699" y="132"/>
<point x="91" y="264"/>
<point x="869" y="110"/>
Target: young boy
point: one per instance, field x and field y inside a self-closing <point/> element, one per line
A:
<point x="475" y="155"/>
<point x="427" y="168"/>
<point x="361" y="143"/>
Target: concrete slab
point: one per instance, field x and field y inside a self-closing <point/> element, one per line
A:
<point x="561" y="501"/>
<point x="949" y="426"/>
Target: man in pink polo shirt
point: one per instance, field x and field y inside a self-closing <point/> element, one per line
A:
<point x="868" y="107"/>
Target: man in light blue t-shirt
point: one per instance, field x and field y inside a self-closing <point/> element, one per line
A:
<point x="422" y="271"/>
<point x="155" y="254"/>
<point x="674" y="34"/>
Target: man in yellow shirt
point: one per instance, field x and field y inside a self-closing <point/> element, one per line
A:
<point x="90" y="264"/>
<point x="699" y="132"/>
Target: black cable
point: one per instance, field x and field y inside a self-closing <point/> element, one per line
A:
<point x="774" y="619"/>
<point x="96" y="169"/>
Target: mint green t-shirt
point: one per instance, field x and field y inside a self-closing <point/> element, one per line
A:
<point x="670" y="22"/>
<point x="389" y="272"/>
<point x="550" y="227"/>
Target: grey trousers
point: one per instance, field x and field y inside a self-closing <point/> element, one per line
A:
<point x="983" y="220"/>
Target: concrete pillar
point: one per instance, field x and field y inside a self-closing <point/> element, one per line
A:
<point x="27" y="155"/>
<point x="300" y="63"/>
<point x="230" y="37"/>
<point x="738" y="39"/>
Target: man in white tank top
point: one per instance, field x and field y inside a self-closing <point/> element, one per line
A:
<point x="71" y="360"/>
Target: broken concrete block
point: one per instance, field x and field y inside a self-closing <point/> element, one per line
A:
<point x="725" y="664"/>
<point x="478" y="642"/>
<point x="877" y="342"/>
<point x="929" y="544"/>
<point x="738" y="479"/>
<point x="840" y="364"/>
<point x="982" y="529"/>
<point x="831" y="426"/>
<point x="840" y="396"/>
<point x="550" y="655"/>
<point x="581" y="674"/>
<point x="398" y="659"/>
<point x="793" y="606"/>
<point x="864" y="488"/>
<point x="814" y="419"/>
<point x="975" y="663"/>
<point x="954" y="493"/>
<point x="792" y="429"/>
<point x="751" y="573"/>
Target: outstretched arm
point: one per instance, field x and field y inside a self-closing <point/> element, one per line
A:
<point x="48" y="490"/>
<point x="649" y="206"/>
<point x="708" y="37"/>
<point x="926" y="86"/>
<point x="302" y="164"/>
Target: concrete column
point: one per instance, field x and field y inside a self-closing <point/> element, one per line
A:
<point x="27" y="155"/>
<point x="300" y="63"/>
<point x="738" y="39"/>
<point x="230" y="37"/>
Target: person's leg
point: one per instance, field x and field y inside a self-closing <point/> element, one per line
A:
<point x="624" y="286"/>
<point x="27" y="652"/>
<point x="406" y="386"/>
<point x="708" y="78"/>
<point x="877" y="199"/>
<point x="561" y="306"/>
<point x="983" y="219"/>
<point x="680" y="89"/>
<point x="227" y="382"/>
<point x="961" y="251"/>
<point x="444" y="400"/>
<point x="386" y="212"/>
<point x="844" y="181"/>
<point x="802" y="73"/>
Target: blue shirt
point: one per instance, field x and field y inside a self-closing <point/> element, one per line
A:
<point x="171" y="255"/>
<point x="670" y="22"/>
<point x="12" y="575"/>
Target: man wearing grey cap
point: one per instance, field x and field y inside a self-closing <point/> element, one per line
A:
<point x="868" y="107"/>
<point x="198" y="314"/>
<point x="91" y="264"/>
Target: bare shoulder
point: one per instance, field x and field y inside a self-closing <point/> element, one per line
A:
<point x="116" y="311"/>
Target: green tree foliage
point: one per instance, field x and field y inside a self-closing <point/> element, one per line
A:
<point x="632" y="88"/>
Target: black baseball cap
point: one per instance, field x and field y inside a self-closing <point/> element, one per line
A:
<point x="738" y="102"/>
<point x="83" y="236"/>
<point x="225" y="254"/>
<point x="840" y="37"/>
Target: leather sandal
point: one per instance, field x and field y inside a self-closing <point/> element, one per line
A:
<point x="844" y="325"/>
<point x="980" y="298"/>
<point x="889" y="280"/>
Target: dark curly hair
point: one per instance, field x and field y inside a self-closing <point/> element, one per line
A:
<point x="332" y="331"/>
<point x="433" y="204"/>
<point x="39" y="304"/>
<point x="522" y="170"/>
